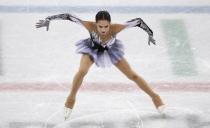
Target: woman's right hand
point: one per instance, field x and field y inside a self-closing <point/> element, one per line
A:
<point x="43" y="23"/>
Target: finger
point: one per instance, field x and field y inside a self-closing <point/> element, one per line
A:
<point x="39" y="23"/>
<point x="47" y="28"/>
<point x="149" y="40"/>
<point x="38" y="26"/>
<point x="154" y="42"/>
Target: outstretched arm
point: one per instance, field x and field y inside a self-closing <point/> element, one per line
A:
<point x="65" y="16"/>
<point x="137" y="22"/>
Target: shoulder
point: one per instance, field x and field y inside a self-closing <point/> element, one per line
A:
<point x="89" y="25"/>
<point x="116" y="28"/>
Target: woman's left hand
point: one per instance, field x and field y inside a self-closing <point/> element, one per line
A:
<point x="152" y="40"/>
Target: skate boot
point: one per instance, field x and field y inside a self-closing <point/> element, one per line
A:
<point x="67" y="113"/>
<point x="160" y="106"/>
<point x="68" y="108"/>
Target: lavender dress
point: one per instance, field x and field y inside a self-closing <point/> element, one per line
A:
<point x="104" y="55"/>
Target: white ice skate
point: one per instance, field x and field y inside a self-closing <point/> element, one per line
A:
<point x="67" y="113"/>
<point x="161" y="108"/>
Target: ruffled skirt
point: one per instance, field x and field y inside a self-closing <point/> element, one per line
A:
<point x="105" y="58"/>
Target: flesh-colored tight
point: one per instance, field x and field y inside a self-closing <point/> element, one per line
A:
<point x="122" y="65"/>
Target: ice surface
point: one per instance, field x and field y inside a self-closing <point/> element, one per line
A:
<point x="104" y="110"/>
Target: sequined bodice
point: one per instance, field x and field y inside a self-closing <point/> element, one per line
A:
<point x="96" y="39"/>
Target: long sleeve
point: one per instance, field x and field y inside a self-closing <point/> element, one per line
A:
<point x="138" y="22"/>
<point x="65" y="16"/>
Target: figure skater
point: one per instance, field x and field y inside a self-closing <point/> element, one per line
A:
<point x="103" y="49"/>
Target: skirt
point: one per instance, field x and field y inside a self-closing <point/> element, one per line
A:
<point x="105" y="58"/>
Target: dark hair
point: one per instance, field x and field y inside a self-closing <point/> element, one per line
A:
<point x="103" y="15"/>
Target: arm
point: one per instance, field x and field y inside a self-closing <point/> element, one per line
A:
<point x="137" y="22"/>
<point x="65" y="16"/>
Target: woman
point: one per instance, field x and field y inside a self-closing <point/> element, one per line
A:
<point x="103" y="49"/>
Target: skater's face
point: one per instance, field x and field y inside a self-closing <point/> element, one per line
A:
<point x="103" y="27"/>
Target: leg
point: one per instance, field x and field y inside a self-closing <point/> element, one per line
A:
<point x="125" y="68"/>
<point x="85" y="64"/>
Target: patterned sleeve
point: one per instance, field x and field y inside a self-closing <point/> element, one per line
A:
<point x="138" y="22"/>
<point x="65" y="16"/>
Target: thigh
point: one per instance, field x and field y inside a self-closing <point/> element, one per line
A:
<point x="85" y="62"/>
<point x="124" y="67"/>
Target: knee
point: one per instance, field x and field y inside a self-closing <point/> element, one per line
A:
<point x="133" y="76"/>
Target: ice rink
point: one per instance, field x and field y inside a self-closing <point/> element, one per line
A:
<point x="37" y="66"/>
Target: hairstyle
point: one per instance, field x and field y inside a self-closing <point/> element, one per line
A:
<point x="103" y="15"/>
